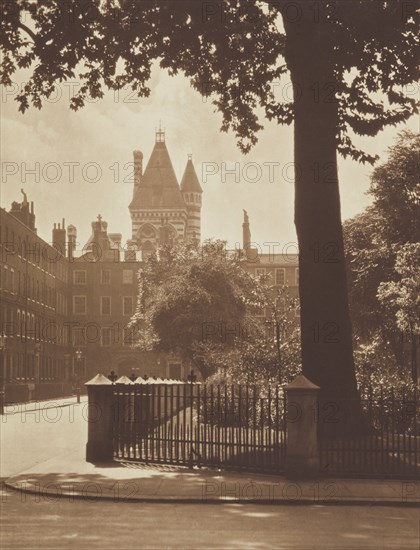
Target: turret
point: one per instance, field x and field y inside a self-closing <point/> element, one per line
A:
<point x="191" y="191"/>
<point x="157" y="198"/>
<point x="138" y="169"/>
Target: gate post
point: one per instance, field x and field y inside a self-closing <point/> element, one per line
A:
<point x="302" y="456"/>
<point x="99" y="447"/>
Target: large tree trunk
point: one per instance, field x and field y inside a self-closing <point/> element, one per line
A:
<point x="414" y="368"/>
<point x="327" y="351"/>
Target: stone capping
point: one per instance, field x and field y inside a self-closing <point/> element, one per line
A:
<point x="161" y="381"/>
<point x="99" y="380"/>
<point x="303" y="384"/>
<point x="124" y="380"/>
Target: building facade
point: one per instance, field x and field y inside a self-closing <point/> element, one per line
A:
<point x="34" y="277"/>
<point x="55" y="303"/>
<point x="161" y="210"/>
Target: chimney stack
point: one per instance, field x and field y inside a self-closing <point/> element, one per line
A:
<point x="24" y="212"/>
<point x="59" y="238"/>
<point x="72" y="235"/>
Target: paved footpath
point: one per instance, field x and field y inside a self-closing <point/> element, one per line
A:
<point x="67" y="474"/>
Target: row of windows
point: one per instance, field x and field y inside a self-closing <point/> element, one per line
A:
<point x="31" y="326"/>
<point x="7" y="278"/>
<point x="18" y="366"/>
<point x="80" y="277"/>
<point x="40" y="254"/>
<point x="28" y="326"/>
<point x="190" y="197"/>
<point x="279" y="275"/>
<point x="80" y="307"/>
<point x="21" y="284"/>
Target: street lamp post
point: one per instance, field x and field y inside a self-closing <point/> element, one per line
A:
<point x="79" y="354"/>
<point x="3" y="339"/>
<point x="37" y="372"/>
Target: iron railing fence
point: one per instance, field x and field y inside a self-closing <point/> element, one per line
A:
<point x="239" y="427"/>
<point x="243" y="427"/>
<point x="388" y="444"/>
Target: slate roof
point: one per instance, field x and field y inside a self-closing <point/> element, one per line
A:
<point x="189" y="180"/>
<point x="158" y="186"/>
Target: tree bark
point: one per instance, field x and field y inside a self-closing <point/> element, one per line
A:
<point x="414" y="371"/>
<point x="326" y="333"/>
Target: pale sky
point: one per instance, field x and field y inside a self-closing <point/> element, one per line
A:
<point x="106" y="132"/>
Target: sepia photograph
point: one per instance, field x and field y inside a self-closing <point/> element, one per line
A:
<point x="210" y="274"/>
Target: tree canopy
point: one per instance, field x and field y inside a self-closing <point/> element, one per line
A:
<point x="193" y="296"/>
<point x="204" y="304"/>
<point x="270" y="355"/>
<point x="403" y="296"/>
<point x="233" y="51"/>
<point x="382" y="252"/>
<point x="351" y="64"/>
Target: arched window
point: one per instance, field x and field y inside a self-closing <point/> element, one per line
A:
<point x="147" y="232"/>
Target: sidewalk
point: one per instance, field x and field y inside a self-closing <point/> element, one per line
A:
<point x="43" y="404"/>
<point x="68" y="475"/>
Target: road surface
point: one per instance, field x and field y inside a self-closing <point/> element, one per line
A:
<point x="30" y="522"/>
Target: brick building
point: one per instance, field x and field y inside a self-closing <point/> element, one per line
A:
<point x="54" y="302"/>
<point x="34" y="278"/>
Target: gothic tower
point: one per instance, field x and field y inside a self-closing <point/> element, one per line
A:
<point x="162" y="212"/>
<point x="158" y="211"/>
<point x="191" y="192"/>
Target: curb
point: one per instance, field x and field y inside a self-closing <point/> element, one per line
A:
<point x="51" y="495"/>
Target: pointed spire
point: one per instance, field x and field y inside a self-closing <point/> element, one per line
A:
<point x="190" y="182"/>
<point x="158" y="186"/>
<point x="160" y="134"/>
